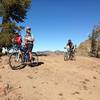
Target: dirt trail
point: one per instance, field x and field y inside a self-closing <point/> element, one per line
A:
<point x="56" y="79"/>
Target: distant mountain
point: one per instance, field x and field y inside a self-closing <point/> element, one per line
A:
<point x="58" y="52"/>
<point x="43" y="53"/>
<point x="46" y="53"/>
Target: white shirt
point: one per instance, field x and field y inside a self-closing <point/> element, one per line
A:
<point x="29" y="39"/>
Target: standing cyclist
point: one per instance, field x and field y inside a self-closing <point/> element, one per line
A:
<point x="17" y="42"/>
<point x="29" y="41"/>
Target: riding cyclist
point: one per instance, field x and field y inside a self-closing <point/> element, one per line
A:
<point x="29" y="41"/>
<point x="70" y="45"/>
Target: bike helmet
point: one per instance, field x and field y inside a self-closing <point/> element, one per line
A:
<point x="28" y="28"/>
<point x="69" y="40"/>
<point x="16" y="33"/>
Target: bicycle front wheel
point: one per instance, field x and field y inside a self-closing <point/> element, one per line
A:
<point x="15" y="60"/>
<point x="65" y="56"/>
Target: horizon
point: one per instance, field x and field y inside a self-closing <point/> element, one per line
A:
<point x="53" y="22"/>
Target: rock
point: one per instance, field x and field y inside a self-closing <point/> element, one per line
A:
<point x="3" y="89"/>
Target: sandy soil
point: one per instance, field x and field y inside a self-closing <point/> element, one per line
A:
<point x="56" y="79"/>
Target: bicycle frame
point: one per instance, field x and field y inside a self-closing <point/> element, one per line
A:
<point x="68" y="54"/>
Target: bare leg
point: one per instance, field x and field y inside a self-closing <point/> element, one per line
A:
<point x="30" y="54"/>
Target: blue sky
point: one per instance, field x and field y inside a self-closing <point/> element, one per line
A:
<point x="53" y="22"/>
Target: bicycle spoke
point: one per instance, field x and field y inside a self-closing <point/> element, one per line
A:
<point x="14" y="61"/>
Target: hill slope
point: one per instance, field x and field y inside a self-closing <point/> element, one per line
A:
<point x="84" y="48"/>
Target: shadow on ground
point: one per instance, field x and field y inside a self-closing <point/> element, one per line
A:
<point x="30" y="65"/>
<point x="35" y="65"/>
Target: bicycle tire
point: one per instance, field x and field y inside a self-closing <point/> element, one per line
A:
<point x="65" y="56"/>
<point x="71" y="55"/>
<point x="35" y="59"/>
<point x="13" y="63"/>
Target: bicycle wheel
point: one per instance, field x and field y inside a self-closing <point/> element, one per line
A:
<point x="35" y="60"/>
<point x="65" y="56"/>
<point x="15" y="61"/>
<point x="71" y="55"/>
<point x="73" y="58"/>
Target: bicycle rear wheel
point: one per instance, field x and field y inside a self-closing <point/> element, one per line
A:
<point x="15" y="61"/>
<point x="35" y="59"/>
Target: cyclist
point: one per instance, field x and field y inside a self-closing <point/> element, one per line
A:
<point x="70" y="45"/>
<point x="17" y="41"/>
<point x="29" y="41"/>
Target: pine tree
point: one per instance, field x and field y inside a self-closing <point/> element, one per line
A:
<point x="12" y="12"/>
<point x="95" y="41"/>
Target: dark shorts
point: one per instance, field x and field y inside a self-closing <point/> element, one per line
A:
<point x="29" y="47"/>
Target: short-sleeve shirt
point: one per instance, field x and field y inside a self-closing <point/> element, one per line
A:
<point x="28" y="39"/>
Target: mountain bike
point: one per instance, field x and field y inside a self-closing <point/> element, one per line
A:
<point x="69" y="54"/>
<point x="19" y="59"/>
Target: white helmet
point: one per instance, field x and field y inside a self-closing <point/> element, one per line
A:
<point x="27" y="28"/>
